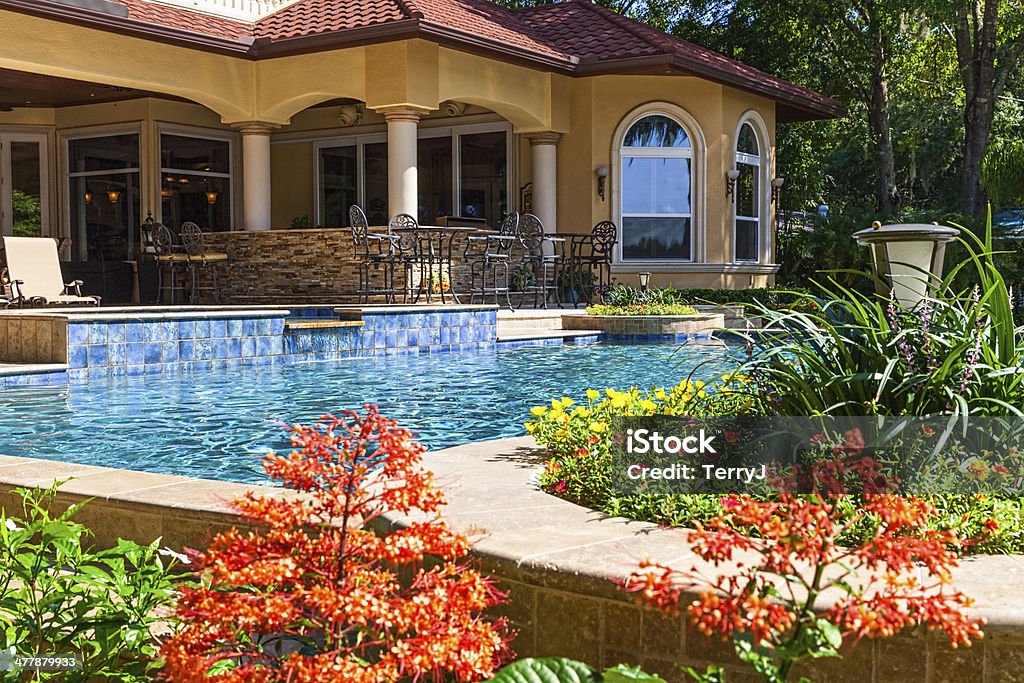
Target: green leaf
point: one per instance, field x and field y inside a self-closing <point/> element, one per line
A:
<point x="547" y="670"/>
<point x="624" y="673"/>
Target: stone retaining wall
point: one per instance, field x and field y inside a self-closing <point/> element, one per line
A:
<point x="555" y="560"/>
<point x="647" y="327"/>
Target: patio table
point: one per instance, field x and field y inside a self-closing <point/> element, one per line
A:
<point x="445" y="239"/>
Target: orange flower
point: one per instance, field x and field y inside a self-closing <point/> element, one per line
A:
<point x="313" y="594"/>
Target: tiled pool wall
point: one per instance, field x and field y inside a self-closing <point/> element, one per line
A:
<point x="104" y="345"/>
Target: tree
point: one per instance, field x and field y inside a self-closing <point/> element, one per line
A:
<point x="988" y="50"/>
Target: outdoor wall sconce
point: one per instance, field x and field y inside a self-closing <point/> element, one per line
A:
<point x="88" y="197"/>
<point x="602" y="178"/>
<point x="731" y="176"/>
<point x="166" y="194"/>
<point x="211" y="198"/>
<point x="114" y="196"/>
<point x="777" y="184"/>
<point x="908" y="258"/>
<point x="645" y="279"/>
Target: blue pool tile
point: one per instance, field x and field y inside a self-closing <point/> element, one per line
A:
<point x="249" y="327"/>
<point x="78" y="334"/>
<point x="97" y="355"/>
<point x="401" y="337"/>
<point x="116" y="332"/>
<point x="154" y="368"/>
<point x="186" y="329"/>
<point x="234" y="347"/>
<point x="434" y="336"/>
<point x="391" y="322"/>
<point x="263" y="327"/>
<point x="218" y="329"/>
<point x="186" y="350"/>
<point x="151" y="330"/>
<point x="78" y="356"/>
<point x="97" y="333"/>
<point x="169" y="352"/>
<point x="169" y="330"/>
<point x="248" y="347"/>
<point x="98" y="372"/>
<point x="152" y="352"/>
<point x="204" y="351"/>
<point x="116" y="354"/>
<point x="135" y="369"/>
<point x="117" y="371"/>
<point x="202" y="329"/>
<point x="77" y="374"/>
<point x="277" y="326"/>
<point x="235" y="328"/>
<point x="390" y="338"/>
<point x="133" y="332"/>
<point x="219" y="348"/>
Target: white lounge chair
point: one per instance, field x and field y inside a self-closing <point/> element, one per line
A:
<point x="34" y="267"/>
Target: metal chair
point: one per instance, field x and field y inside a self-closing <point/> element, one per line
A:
<point x="490" y="255"/>
<point x="373" y="252"/>
<point x="593" y="254"/>
<point x="416" y="254"/>
<point x="201" y="259"/>
<point x="543" y="255"/>
<point x="172" y="263"/>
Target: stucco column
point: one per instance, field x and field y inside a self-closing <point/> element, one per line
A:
<point x="402" y="178"/>
<point x="544" y="149"/>
<point x="256" y="174"/>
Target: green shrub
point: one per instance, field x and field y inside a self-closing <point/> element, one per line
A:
<point x="58" y="596"/>
<point x="771" y="297"/>
<point x="641" y="309"/>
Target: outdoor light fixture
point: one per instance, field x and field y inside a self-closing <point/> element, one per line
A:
<point x="88" y="197"/>
<point x="114" y="196"/>
<point x="602" y="178"/>
<point x="907" y="257"/>
<point x="166" y="194"/>
<point x="211" y="198"/>
<point x="731" y="176"/>
<point x="777" y="184"/>
<point x="645" y="278"/>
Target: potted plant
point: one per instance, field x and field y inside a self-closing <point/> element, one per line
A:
<point x="573" y="282"/>
<point x="522" y="279"/>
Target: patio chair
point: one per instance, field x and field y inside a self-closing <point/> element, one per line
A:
<point x="374" y="252"/>
<point x="489" y="255"/>
<point x="172" y="263"/>
<point x="8" y="291"/>
<point x="202" y="258"/>
<point x="417" y="254"/>
<point x="544" y="256"/>
<point x="33" y="267"/>
<point x="592" y="254"/>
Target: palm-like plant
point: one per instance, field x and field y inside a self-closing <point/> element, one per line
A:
<point x="955" y="352"/>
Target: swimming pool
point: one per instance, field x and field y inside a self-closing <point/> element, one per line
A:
<point x="216" y="423"/>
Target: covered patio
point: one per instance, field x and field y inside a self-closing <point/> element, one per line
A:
<point x="263" y="125"/>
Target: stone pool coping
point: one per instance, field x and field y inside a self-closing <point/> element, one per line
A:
<point x="518" y="531"/>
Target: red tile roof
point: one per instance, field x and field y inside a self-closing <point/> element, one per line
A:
<point x="574" y="36"/>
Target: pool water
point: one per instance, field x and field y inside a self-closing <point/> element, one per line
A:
<point x="216" y="424"/>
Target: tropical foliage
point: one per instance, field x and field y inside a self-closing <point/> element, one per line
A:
<point x="311" y="593"/>
<point x="58" y="596"/>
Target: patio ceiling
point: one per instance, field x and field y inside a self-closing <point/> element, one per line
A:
<point x="21" y="89"/>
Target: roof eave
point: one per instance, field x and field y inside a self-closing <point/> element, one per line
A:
<point x="80" y="16"/>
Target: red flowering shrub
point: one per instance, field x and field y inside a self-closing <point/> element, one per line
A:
<point x="769" y="597"/>
<point x="313" y="595"/>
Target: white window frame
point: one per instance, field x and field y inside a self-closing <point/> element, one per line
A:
<point x="763" y="163"/>
<point x="69" y="136"/>
<point x="199" y="134"/>
<point x="423" y="132"/>
<point x="24" y="134"/>
<point x="696" y="152"/>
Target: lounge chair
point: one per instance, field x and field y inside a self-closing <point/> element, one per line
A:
<point x="34" y="268"/>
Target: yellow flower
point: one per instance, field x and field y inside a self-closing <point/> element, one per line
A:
<point x="648" y="405"/>
<point x="581" y="411"/>
<point x="598" y="427"/>
<point x="661" y="395"/>
<point x="531" y="427"/>
<point x="537" y="411"/>
<point x="592" y="394"/>
<point x="566" y="401"/>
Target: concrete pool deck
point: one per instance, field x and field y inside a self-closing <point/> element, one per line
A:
<point x="555" y="560"/>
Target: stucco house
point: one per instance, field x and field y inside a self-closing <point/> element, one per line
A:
<point x="266" y="115"/>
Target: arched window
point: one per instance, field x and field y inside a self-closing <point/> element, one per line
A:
<point x="656" y="191"/>
<point x="747" y="231"/>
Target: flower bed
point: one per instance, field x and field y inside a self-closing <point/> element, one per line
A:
<point x="642" y="309"/>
